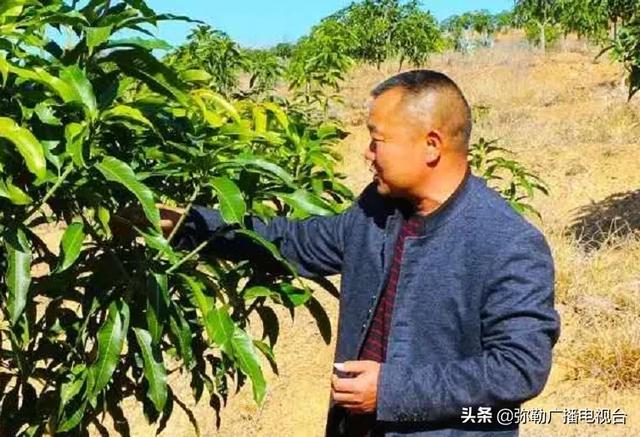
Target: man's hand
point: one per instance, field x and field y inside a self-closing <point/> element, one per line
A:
<point x="169" y="217"/>
<point x="125" y="219"/>
<point x="358" y="394"/>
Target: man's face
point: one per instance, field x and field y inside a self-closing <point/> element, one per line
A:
<point x="397" y="151"/>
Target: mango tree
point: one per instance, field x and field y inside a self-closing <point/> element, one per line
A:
<point x="543" y="14"/>
<point x="98" y="126"/>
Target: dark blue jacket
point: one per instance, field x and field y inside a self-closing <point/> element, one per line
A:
<point x="473" y="322"/>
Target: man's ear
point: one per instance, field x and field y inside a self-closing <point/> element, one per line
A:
<point x="433" y="144"/>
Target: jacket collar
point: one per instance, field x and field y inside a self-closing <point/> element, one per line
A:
<point x="447" y="210"/>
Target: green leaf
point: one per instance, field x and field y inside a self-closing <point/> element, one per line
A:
<point x="232" y="205"/>
<point x="71" y="245"/>
<point x="38" y="74"/>
<point x="259" y="119"/>
<point x="13" y="193"/>
<point x="97" y="36"/>
<point x="156" y="241"/>
<point x="104" y="216"/>
<point x="71" y="388"/>
<point x="27" y="145"/>
<point x="75" y="135"/>
<point x="154" y="371"/>
<point x="141" y="64"/>
<point x="141" y="5"/>
<point x="195" y="76"/>
<point x="200" y="299"/>
<point x="18" y="275"/>
<point x="220" y="328"/>
<point x="157" y="305"/>
<point x="143" y="43"/>
<point x="73" y="420"/>
<point x="5" y="68"/>
<point x="181" y="330"/>
<point x="272" y="248"/>
<point x="279" y="113"/>
<point x="118" y="171"/>
<point x="77" y="80"/>
<point x="256" y="292"/>
<point x="46" y="115"/>
<point x="110" y="342"/>
<point x="262" y="164"/>
<point x="294" y="295"/>
<point x="220" y="102"/>
<point x="128" y="113"/>
<point x="305" y="201"/>
<point x="267" y="351"/>
<point x="12" y="8"/>
<point x="247" y="359"/>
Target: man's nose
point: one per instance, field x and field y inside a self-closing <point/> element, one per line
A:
<point x="370" y="152"/>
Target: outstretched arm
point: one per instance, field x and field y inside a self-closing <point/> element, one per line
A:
<point x="315" y="246"/>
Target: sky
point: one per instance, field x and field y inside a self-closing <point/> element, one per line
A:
<point x="263" y="23"/>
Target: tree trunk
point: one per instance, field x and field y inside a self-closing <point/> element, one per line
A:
<point x="401" y="62"/>
<point x="543" y="39"/>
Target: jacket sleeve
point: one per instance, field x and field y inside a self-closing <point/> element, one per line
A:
<point x="519" y="329"/>
<point x="315" y="246"/>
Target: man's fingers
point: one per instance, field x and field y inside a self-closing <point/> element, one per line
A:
<point x="167" y="226"/>
<point x="345" y="399"/>
<point x="354" y="366"/>
<point x="170" y="212"/>
<point x="344" y="385"/>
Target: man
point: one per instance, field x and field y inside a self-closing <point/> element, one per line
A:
<point x="447" y="298"/>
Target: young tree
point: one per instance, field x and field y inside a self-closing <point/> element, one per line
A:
<point x="320" y="62"/>
<point x="503" y="21"/>
<point x="483" y="24"/>
<point x="214" y="52"/>
<point x="541" y="13"/>
<point x="626" y="49"/>
<point x="101" y="126"/>
<point x="416" y="36"/>
<point x="458" y="29"/>
<point x="618" y="12"/>
<point x="386" y="28"/>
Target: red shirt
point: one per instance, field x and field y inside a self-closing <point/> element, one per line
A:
<point x="375" y="343"/>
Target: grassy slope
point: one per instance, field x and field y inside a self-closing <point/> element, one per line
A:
<point x="566" y="117"/>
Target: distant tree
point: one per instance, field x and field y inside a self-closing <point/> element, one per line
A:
<point x="626" y="49"/>
<point x="265" y="69"/>
<point x="320" y="61"/>
<point x="283" y="50"/>
<point x="483" y="24"/>
<point x="543" y="14"/>
<point x="503" y="21"/>
<point x="416" y="35"/>
<point x="386" y="28"/>
<point x="618" y="12"/>
<point x="458" y="29"/>
<point x="586" y="18"/>
<point x="475" y="28"/>
<point x="214" y="52"/>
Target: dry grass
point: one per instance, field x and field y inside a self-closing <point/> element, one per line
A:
<point x="565" y="116"/>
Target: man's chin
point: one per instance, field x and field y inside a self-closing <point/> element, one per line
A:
<point x="383" y="189"/>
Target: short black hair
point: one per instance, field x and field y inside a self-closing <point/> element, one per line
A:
<point x="421" y="82"/>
